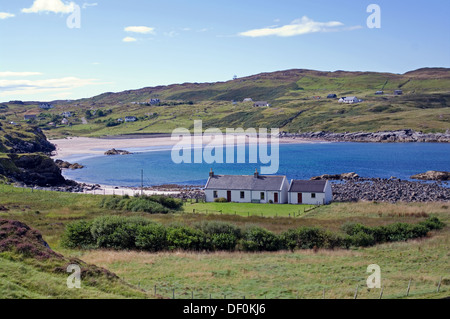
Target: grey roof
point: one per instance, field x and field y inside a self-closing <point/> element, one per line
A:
<point x="307" y="186"/>
<point x="245" y="182"/>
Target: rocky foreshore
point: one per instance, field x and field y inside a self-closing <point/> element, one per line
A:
<point x="400" y="136"/>
<point x="389" y="190"/>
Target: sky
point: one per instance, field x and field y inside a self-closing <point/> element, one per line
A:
<point x="56" y="49"/>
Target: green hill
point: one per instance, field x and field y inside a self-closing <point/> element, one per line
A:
<point x="292" y="94"/>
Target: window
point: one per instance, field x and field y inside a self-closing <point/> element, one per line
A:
<point x="262" y="196"/>
<point x="215" y="194"/>
<point x="313" y="195"/>
<point x="242" y="194"/>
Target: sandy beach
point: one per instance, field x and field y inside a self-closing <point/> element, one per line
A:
<point x="97" y="146"/>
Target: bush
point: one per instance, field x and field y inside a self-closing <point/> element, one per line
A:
<point x="223" y="241"/>
<point x="220" y="200"/>
<point x="151" y="237"/>
<point x="362" y="239"/>
<point x="186" y="238"/>
<point x="166" y="201"/>
<point x="78" y="235"/>
<point x="260" y="239"/>
<point x="304" y="238"/>
<point x="433" y="223"/>
<point x="218" y="227"/>
<point x="116" y="232"/>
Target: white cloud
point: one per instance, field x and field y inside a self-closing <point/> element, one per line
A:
<point x="27" y="87"/>
<point x="6" y="15"/>
<point x="140" y="29"/>
<point x="171" y="34"/>
<point x="56" y="6"/>
<point x="129" y="39"/>
<point x="85" y="5"/>
<point x="301" y="26"/>
<point x="10" y="74"/>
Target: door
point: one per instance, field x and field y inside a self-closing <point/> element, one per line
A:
<point x="299" y="198"/>
<point x="275" y="198"/>
<point x="228" y="196"/>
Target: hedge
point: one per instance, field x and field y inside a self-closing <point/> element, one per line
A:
<point x="139" y="233"/>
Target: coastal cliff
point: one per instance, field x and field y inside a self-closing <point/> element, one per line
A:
<point x="24" y="157"/>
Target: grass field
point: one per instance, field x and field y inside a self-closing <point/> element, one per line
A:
<point x="302" y="274"/>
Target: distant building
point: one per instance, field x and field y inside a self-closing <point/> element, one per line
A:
<point x="249" y="99"/>
<point x="67" y="114"/>
<point x="130" y="119"/>
<point x="120" y="120"/>
<point x="64" y="121"/>
<point x="45" y="106"/>
<point x="154" y="101"/>
<point x="247" y="188"/>
<point x="379" y="93"/>
<point x="398" y="92"/>
<point x="331" y="96"/>
<point x="310" y="192"/>
<point x="261" y="104"/>
<point x="349" y="100"/>
<point x="29" y="117"/>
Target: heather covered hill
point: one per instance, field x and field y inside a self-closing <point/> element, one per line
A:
<point x="298" y="102"/>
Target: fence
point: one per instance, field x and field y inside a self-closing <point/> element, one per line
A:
<point x="166" y="291"/>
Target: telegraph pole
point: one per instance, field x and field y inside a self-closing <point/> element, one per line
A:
<point x="142" y="182"/>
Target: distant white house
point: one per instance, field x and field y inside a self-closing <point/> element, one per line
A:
<point x="349" y="100"/>
<point x="130" y="118"/>
<point x="66" y="114"/>
<point x="119" y="120"/>
<point x="247" y="188"/>
<point x="154" y="101"/>
<point x="65" y="121"/>
<point x="248" y="99"/>
<point x="261" y="104"/>
<point x="310" y="192"/>
<point x="45" y="106"/>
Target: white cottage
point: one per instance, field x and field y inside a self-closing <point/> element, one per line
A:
<point x="310" y="192"/>
<point x="247" y="188"/>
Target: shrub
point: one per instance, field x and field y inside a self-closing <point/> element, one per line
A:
<point x="166" y="201"/>
<point x="116" y="232"/>
<point x="362" y="239"/>
<point x="151" y="237"/>
<point x="78" y="235"/>
<point x="433" y="223"/>
<point x="223" y="241"/>
<point x="260" y="239"/>
<point x="220" y="200"/>
<point x="110" y="202"/>
<point x="218" y="227"/>
<point x="187" y="238"/>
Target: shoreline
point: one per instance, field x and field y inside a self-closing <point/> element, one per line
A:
<point x="87" y="146"/>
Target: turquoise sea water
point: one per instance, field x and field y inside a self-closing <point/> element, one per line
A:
<point x="297" y="161"/>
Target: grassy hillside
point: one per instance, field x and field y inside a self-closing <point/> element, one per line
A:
<point x="304" y="273"/>
<point x="424" y="106"/>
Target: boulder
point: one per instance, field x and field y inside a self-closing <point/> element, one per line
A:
<point x="117" y="152"/>
<point x="433" y="176"/>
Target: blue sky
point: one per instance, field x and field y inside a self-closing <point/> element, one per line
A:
<point x="131" y="44"/>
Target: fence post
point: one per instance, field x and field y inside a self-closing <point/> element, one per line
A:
<point x="173" y="293"/>
<point x="323" y="293"/>
<point x="356" y="293"/>
<point x="439" y="284"/>
<point x="409" y="286"/>
<point x="155" y="290"/>
<point x="381" y="292"/>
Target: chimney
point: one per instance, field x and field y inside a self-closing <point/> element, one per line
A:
<point x="256" y="174"/>
<point x="211" y="173"/>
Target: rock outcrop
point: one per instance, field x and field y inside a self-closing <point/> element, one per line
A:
<point x="433" y="176"/>
<point x="402" y="136"/>
<point x="117" y="152"/>
<point x="66" y="165"/>
<point x="343" y="176"/>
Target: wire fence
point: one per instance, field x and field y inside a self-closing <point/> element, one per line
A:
<point x="166" y="291"/>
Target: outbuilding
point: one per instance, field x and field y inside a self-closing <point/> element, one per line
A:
<point x="310" y="192"/>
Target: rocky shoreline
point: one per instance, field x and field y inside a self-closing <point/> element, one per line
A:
<point x="390" y="190"/>
<point x="400" y="136"/>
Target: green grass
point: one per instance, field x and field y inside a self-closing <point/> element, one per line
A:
<point x="256" y="275"/>
<point x="248" y="209"/>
